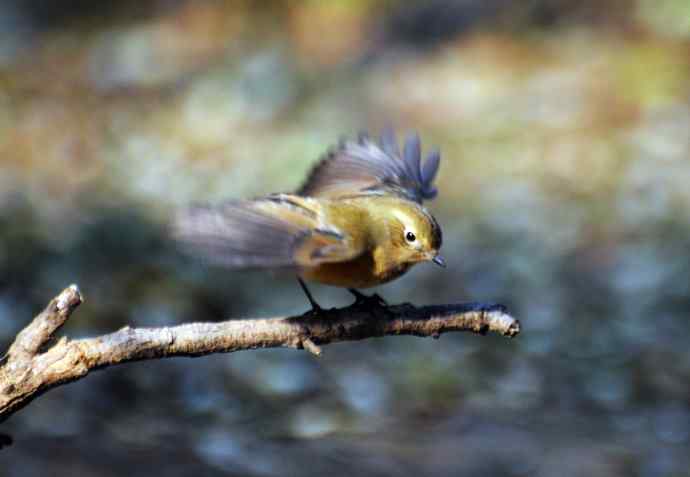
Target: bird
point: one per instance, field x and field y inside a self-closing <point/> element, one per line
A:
<point x="357" y="221"/>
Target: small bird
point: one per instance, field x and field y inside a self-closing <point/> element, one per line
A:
<point x="357" y="221"/>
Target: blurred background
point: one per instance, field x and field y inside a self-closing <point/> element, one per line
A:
<point x="565" y="133"/>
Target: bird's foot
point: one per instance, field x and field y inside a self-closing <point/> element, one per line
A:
<point x="316" y="310"/>
<point x="374" y="300"/>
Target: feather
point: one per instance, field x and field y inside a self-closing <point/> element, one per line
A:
<point x="389" y="143"/>
<point x="276" y="231"/>
<point x="429" y="171"/>
<point x="413" y="157"/>
<point x="367" y="167"/>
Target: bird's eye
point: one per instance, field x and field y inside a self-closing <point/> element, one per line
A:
<point x="410" y="237"/>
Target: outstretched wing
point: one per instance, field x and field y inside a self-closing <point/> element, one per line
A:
<point x="276" y="231"/>
<point x="375" y="167"/>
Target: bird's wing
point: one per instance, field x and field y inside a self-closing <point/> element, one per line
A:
<point x="276" y="231"/>
<point x="367" y="166"/>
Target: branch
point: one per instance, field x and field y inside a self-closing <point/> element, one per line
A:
<point x="32" y="367"/>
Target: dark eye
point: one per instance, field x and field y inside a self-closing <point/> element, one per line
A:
<point x="410" y="237"/>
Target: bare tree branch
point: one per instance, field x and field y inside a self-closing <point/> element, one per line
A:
<point x="32" y="367"/>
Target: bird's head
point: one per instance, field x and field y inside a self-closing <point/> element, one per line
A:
<point x="413" y="234"/>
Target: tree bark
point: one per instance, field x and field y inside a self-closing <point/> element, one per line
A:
<point x="35" y="363"/>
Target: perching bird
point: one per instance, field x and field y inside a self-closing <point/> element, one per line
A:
<point x="357" y="222"/>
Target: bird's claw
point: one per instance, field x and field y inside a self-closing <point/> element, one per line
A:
<point x="363" y="300"/>
<point x="316" y="310"/>
<point x="378" y="299"/>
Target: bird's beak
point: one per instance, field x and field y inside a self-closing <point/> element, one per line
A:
<point x="438" y="260"/>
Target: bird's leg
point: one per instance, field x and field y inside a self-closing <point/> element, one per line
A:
<point x="359" y="296"/>
<point x="315" y="307"/>
<point x="362" y="299"/>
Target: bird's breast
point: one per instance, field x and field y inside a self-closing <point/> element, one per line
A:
<point x="361" y="272"/>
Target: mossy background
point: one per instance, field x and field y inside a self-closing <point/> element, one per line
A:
<point x="564" y="187"/>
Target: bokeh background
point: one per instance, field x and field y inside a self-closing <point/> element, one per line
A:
<point x="565" y="194"/>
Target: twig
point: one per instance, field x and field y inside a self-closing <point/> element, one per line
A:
<point x="32" y="366"/>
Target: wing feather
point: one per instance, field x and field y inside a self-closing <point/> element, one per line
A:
<point x="367" y="166"/>
<point x="276" y="231"/>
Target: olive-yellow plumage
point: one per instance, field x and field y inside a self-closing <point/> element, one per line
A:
<point x="357" y="222"/>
